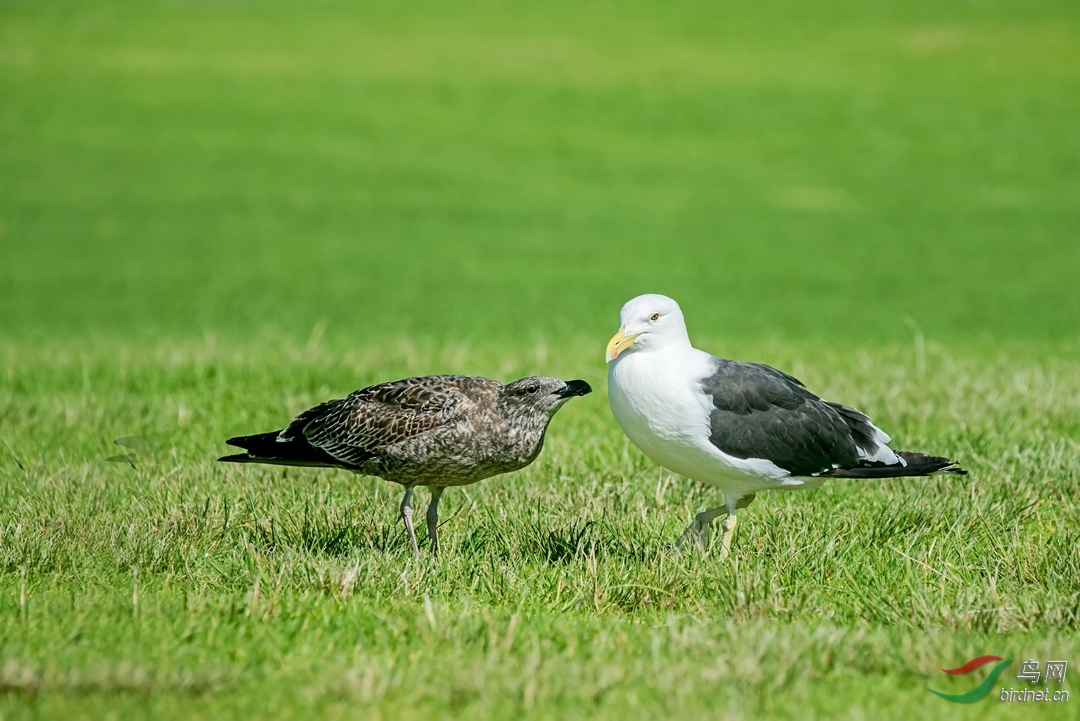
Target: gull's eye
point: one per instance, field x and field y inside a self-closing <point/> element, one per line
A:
<point x="531" y="389"/>
<point x="654" y="317"/>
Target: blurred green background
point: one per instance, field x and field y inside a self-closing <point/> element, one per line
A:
<point x="217" y="213"/>
<point x="514" y="171"/>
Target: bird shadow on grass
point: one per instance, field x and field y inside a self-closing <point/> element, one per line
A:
<point x="559" y="545"/>
<point x="325" y="531"/>
<point x="320" y="532"/>
<point x="564" y="543"/>
<point x="899" y="522"/>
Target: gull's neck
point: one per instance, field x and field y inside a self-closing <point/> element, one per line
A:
<point x="675" y="341"/>
<point x="678" y="337"/>
<point x="676" y="354"/>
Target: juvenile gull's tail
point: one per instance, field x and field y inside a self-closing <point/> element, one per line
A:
<point x="271" y="448"/>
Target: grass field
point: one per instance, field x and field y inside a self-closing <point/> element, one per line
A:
<point x="215" y="214"/>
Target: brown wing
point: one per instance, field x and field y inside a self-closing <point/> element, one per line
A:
<point x="354" y="429"/>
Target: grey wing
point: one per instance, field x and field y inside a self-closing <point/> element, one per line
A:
<point x="356" y="429"/>
<point x="759" y="412"/>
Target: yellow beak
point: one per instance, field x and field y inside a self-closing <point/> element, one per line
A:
<point x="618" y="343"/>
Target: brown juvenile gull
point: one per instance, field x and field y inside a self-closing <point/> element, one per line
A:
<point x="740" y="427"/>
<point x="434" y="431"/>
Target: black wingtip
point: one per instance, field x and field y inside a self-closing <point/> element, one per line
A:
<point x="915" y="464"/>
<point x="238" y="458"/>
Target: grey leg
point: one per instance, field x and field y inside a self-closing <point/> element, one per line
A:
<point x="728" y="524"/>
<point x="406" y="515"/>
<point x="697" y="533"/>
<point x="433" y="518"/>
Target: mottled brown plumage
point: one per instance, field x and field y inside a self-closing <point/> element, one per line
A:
<point x="434" y="431"/>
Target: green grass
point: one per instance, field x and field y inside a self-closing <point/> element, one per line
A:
<point x="213" y="215"/>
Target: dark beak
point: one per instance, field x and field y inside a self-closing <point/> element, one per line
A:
<point x="574" y="388"/>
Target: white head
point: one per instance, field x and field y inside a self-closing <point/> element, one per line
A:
<point x="649" y="322"/>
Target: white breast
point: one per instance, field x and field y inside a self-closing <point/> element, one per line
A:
<point x="657" y="399"/>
